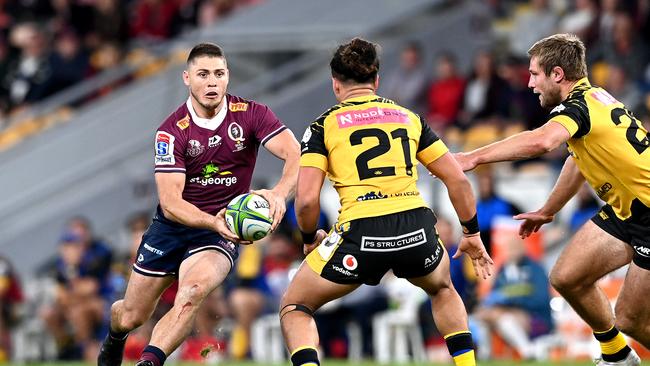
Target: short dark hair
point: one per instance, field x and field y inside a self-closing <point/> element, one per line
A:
<point x="563" y="50"/>
<point x="356" y="61"/>
<point x="205" y="49"/>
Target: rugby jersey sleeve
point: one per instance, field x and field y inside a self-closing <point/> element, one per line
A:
<point x="573" y="114"/>
<point x="313" y="152"/>
<point x="430" y="146"/>
<point x="169" y="149"/>
<point x="268" y="124"/>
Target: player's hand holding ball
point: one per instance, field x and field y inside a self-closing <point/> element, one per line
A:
<point x="247" y="217"/>
<point x="277" y="204"/>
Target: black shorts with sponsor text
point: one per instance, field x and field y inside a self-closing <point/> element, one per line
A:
<point x="363" y="250"/>
<point x="635" y="230"/>
<point x="166" y="244"/>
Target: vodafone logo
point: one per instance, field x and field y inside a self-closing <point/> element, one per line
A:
<point x="350" y="262"/>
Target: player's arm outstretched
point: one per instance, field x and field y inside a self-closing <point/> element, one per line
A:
<point x="523" y="145"/>
<point x="462" y="197"/>
<point x="170" y="192"/>
<point x="567" y="185"/>
<point x="284" y="146"/>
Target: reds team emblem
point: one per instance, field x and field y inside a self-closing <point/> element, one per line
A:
<point x="236" y="133"/>
<point x="195" y="148"/>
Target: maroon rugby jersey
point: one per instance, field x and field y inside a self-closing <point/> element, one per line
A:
<point x="217" y="155"/>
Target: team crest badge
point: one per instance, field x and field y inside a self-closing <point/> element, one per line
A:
<point x="195" y="148"/>
<point x="236" y="133"/>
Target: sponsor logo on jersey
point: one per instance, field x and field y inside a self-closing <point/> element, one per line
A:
<point x="214" y="141"/>
<point x="153" y="250"/>
<point x="604" y="97"/>
<point x="236" y="133"/>
<point x="238" y="107"/>
<point x="184" y="122"/>
<point x="140" y="258"/>
<point x="393" y="243"/>
<point x="372" y="115"/>
<point x="603" y="190"/>
<point x="211" y="169"/>
<point x="350" y="262"/>
<point x="212" y="175"/>
<point x="306" y="136"/>
<point x="642" y="250"/>
<point x="371" y="196"/>
<point x="344" y="271"/>
<point x="406" y="194"/>
<point x="195" y="149"/>
<point x="558" y="109"/>
<point x="164" y="149"/>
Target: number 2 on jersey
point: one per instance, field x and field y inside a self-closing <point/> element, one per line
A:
<point x="639" y="145"/>
<point x="383" y="146"/>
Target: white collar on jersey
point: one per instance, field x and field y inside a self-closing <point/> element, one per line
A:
<point x="209" y="123"/>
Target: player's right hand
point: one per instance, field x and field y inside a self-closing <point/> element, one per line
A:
<point x="320" y="235"/>
<point x="222" y="229"/>
<point x="473" y="246"/>
<point x="533" y="221"/>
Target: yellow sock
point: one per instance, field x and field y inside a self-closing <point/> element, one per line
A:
<point x="461" y="348"/>
<point x="239" y="343"/>
<point x="612" y="345"/>
<point x="465" y="359"/>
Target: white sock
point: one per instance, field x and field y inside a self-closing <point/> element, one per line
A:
<point x="515" y="335"/>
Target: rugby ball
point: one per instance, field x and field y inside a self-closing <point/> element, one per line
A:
<point x="247" y="216"/>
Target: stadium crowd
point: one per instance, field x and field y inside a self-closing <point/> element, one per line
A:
<point x="46" y="46"/>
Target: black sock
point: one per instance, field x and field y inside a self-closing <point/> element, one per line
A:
<point x="305" y="356"/>
<point x="153" y="354"/>
<point x="117" y="336"/>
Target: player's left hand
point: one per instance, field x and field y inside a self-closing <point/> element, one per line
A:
<point x="465" y="160"/>
<point x="473" y="246"/>
<point x="277" y="205"/>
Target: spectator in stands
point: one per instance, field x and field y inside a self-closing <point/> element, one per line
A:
<point x="152" y="19"/>
<point x="628" y="50"/>
<point x="11" y="296"/>
<point x="445" y="93"/>
<point x="623" y="89"/>
<point x="406" y="84"/>
<point x="81" y="301"/>
<point x="69" y="62"/>
<point x="517" y="307"/>
<point x="262" y="275"/>
<point x="485" y="94"/>
<point x="581" y="20"/>
<point x="110" y="21"/>
<point x="490" y="205"/>
<point x="523" y="106"/>
<point x="28" y="76"/>
<point x="538" y="21"/>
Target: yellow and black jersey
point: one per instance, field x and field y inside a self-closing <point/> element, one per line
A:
<point x="609" y="145"/>
<point x="369" y="147"/>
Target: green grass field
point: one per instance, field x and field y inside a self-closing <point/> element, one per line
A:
<point x="345" y="363"/>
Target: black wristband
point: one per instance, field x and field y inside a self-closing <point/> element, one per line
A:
<point x="308" y="238"/>
<point x="470" y="226"/>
